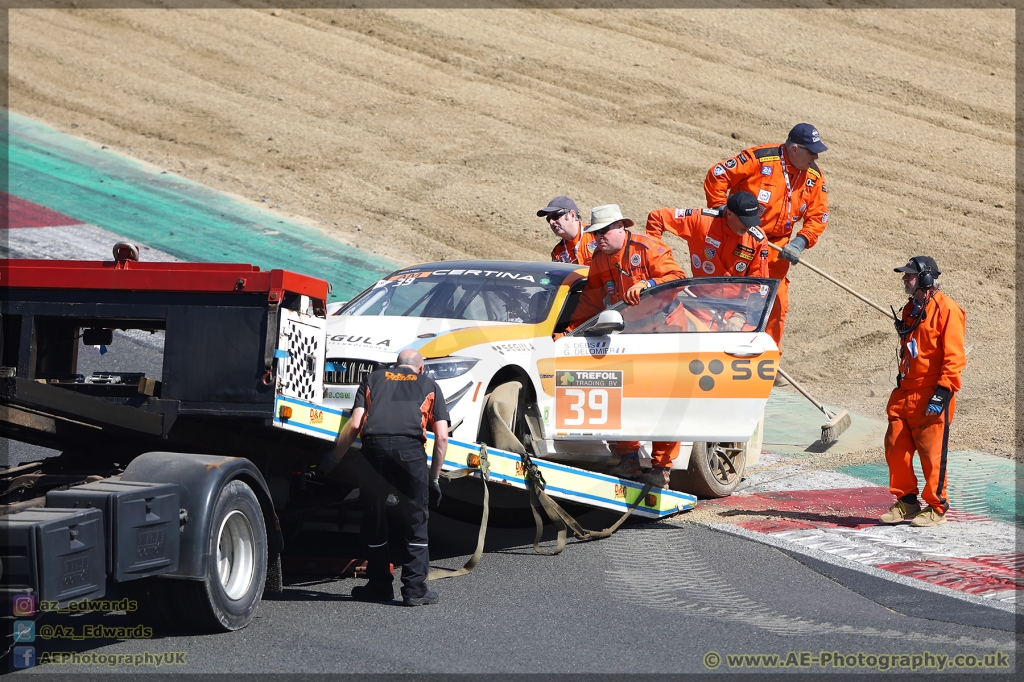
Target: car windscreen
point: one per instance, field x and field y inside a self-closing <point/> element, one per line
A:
<point x="460" y="294"/>
<point x="706" y="304"/>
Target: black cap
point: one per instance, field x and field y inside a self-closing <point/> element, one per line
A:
<point x="806" y="135"/>
<point x="558" y="204"/>
<point x="919" y="264"/>
<point x="746" y="208"/>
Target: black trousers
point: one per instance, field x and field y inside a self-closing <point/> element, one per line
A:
<point x="398" y="462"/>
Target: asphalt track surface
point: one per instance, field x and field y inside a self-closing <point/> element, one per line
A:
<point x="654" y="598"/>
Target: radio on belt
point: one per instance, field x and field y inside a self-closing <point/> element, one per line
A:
<point x="140" y="522"/>
<point x="56" y="553"/>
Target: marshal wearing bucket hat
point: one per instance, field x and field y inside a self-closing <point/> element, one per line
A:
<point x="603" y="216"/>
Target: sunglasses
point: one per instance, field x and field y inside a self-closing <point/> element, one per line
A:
<point x="558" y="215"/>
<point x="605" y="230"/>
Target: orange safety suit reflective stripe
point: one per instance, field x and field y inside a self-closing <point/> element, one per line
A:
<point x="579" y="251"/>
<point x="759" y="170"/>
<point x="931" y="355"/>
<point x="640" y="258"/>
<point x="715" y="250"/>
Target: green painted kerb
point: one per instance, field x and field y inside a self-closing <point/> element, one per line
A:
<point x="126" y="197"/>
<point x="978" y="483"/>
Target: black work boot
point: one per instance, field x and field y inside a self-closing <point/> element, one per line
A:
<point x="429" y="598"/>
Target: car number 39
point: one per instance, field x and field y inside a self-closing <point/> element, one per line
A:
<point x="589" y="408"/>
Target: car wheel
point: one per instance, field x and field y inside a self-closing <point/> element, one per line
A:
<point x="715" y="469"/>
<point x="236" y="564"/>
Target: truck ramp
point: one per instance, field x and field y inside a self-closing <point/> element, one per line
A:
<point x="568" y="483"/>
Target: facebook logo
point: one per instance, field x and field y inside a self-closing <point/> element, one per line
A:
<point x="24" y="656"/>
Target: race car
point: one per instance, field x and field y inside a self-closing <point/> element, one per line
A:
<point x="663" y="370"/>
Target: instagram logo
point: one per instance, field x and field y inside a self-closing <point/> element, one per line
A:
<point x="25" y="605"/>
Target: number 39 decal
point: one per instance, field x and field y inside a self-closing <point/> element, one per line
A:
<point x="588" y="400"/>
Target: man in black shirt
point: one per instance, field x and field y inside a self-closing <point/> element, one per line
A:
<point x="393" y="409"/>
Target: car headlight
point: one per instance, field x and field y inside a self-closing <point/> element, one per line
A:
<point x="447" y="368"/>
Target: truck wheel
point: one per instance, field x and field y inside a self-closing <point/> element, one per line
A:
<point x="236" y="567"/>
<point x="715" y="470"/>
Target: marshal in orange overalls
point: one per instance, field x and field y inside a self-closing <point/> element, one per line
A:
<point x="579" y="251"/>
<point x="640" y="258"/>
<point x="715" y="250"/>
<point x="931" y="355"/>
<point x="763" y="172"/>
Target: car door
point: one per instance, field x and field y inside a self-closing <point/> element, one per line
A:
<point x="692" y="363"/>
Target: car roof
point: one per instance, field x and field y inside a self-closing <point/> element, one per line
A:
<point x="530" y="267"/>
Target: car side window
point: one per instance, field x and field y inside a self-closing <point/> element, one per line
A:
<point x="710" y="304"/>
<point x="569" y="307"/>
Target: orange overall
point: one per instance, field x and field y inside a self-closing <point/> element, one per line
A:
<point x="931" y="355"/>
<point x="763" y="172"/>
<point x="715" y="250"/>
<point x="579" y="251"/>
<point x="640" y="258"/>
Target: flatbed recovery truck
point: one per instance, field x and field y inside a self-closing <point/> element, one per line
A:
<point x="182" y="488"/>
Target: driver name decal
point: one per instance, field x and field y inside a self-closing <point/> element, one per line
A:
<point x="591" y="347"/>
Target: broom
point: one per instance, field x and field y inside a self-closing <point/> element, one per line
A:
<point x="837" y="283"/>
<point x="837" y="422"/>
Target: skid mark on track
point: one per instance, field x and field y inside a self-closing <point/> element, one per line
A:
<point x="672" y="576"/>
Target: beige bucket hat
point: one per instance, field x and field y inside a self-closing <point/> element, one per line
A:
<point x="603" y="216"/>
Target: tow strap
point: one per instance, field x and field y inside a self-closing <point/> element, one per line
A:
<point x="485" y="474"/>
<point x="559" y="516"/>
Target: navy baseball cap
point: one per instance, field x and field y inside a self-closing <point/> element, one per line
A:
<point x="919" y="264"/>
<point x="744" y="205"/>
<point x="806" y="135"/>
<point x="558" y="204"/>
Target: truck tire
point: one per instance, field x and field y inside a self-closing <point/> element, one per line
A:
<point x="715" y="470"/>
<point x="229" y="596"/>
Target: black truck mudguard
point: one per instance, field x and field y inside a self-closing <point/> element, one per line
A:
<point x="201" y="478"/>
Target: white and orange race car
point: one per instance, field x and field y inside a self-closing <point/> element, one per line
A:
<point x="663" y="370"/>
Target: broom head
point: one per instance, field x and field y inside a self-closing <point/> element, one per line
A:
<point x="835" y="427"/>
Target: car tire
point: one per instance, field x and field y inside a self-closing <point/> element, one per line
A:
<point x="715" y="469"/>
<point x="236" y="566"/>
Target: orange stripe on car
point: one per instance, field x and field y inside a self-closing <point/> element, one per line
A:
<point x="678" y="375"/>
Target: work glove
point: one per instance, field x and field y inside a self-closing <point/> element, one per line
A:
<point x="794" y="248"/>
<point x="938" y="401"/>
<point x="434" y="494"/>
<point x="632" y="296"/>
<point x="734" y="323"/>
